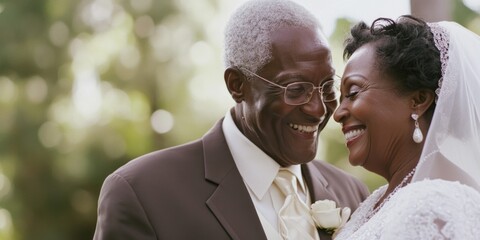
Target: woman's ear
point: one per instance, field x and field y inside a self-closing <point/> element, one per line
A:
<point x="422" y="100"/>
<point x="234" y="79"/>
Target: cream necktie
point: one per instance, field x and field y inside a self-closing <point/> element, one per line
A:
<point x="295" y="222"/>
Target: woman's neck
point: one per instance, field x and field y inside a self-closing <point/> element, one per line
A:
<point x="399" y="178"/>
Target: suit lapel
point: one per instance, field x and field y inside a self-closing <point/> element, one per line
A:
<point x="318" y="188"/>
<point x="317" y="184"/>
<point x="230" y="202"/>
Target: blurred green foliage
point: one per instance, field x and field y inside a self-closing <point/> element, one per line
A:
<point x="86" y="86"/>
<point x="79" y="81"/>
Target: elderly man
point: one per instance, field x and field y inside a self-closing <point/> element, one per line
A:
<point x="253" y="171"/>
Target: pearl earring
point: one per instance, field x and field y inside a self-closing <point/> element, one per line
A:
<point x="417" y="133"/>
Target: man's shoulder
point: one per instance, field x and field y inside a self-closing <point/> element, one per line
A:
<point x="164" y="160"/>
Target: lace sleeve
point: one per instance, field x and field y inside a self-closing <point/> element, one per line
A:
<point x="435" y="209"/>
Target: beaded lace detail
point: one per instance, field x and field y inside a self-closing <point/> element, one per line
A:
<point x="441" y="39"/>
<point x="402" y="184"/>
<point x="428" y="209"/>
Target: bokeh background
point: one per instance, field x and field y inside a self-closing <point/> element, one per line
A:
<point x="87" y="85"/>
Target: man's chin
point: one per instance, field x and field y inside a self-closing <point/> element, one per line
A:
<point x="302" y="158"/>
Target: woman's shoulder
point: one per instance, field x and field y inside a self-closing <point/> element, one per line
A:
<point x="448" y="190"/>
<point x="431" y="208"/>
<point x="428" y="209"/>
<point x="438" y="195"/>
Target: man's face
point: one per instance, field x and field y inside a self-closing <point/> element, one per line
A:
<point x="289" y="134"/>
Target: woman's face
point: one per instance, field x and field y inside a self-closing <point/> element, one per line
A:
<point x="375" y="118"/>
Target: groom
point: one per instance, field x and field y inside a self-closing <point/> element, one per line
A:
<point x="222" y="186"/>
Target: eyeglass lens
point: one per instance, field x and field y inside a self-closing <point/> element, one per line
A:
<point x="301" y="92"/>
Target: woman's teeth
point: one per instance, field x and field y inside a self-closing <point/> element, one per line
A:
<point x="353" y="134"/>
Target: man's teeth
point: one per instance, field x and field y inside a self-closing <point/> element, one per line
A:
<point x="353" y="134"/>
<point x="303" y="128"/>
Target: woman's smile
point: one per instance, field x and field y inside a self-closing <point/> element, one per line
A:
<point x="352" y="133"/>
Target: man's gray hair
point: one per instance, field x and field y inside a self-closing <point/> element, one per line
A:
<point x="247" y="34"/>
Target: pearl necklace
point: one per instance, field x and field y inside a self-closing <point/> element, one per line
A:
<point x="402" y="183"/>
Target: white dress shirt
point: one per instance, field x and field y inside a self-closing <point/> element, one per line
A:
<point x="258" y="171"/>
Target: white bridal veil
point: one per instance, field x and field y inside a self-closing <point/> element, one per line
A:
<point x="452" y="145"/>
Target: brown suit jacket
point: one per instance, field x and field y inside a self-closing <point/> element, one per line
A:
<point x="195" y="191"/>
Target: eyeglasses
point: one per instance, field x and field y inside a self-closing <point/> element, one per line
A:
<point x="298" y="93"/>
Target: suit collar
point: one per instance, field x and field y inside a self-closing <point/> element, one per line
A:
<point x="230" y="202"/>
<point x="257" y="169"/>
<point x="217" y="157"/>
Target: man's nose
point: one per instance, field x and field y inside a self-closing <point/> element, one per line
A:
<point x="315" y="106"/>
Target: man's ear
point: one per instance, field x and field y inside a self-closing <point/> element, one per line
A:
<point x="234" y="79"/>
<point x="422" y="100"/>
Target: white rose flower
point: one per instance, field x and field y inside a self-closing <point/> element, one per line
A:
<point x="327" y="216"/>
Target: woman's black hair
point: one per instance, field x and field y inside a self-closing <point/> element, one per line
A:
<point x="405" y="49"/>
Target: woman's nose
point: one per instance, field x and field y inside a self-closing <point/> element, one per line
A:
<point x="340" y="114"/>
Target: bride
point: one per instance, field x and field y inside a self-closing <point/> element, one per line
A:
<point x="410" y="112"/>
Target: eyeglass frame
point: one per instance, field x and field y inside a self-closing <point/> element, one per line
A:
<point x="320" y="89"/>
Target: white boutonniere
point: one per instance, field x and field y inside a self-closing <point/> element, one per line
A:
<point x="328" y="217"/>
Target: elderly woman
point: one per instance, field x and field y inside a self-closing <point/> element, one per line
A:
<point x="410" y="112"/>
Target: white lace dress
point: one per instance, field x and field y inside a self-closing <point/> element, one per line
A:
<point x="428" y="209"/>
